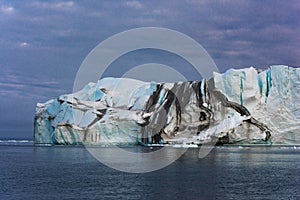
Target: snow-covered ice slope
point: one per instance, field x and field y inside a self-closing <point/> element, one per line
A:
<point x="239" y="106"/>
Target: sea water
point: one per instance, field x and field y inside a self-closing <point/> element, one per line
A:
<point x="62" y="172"/>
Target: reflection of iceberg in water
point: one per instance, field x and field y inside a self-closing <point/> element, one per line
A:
<point x="239" y="106"/>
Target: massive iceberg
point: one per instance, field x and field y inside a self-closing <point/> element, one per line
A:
<point x="240" y="106"/>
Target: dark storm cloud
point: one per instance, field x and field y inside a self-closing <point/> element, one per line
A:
<point x="243" y="33"/>
<point x="43" y="43"/>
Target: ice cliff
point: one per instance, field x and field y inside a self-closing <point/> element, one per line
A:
<point x="239" y="106"/>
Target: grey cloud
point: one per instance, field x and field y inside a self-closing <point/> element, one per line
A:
<point x="5" y="9"/>
<point x="60" y="5"/>
<point x="133" y="4"/>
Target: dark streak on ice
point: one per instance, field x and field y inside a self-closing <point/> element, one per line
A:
<point x="240" y="109"/>
<point x="179" y="96"/>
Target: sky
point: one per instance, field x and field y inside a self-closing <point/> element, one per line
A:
<point x="43" y="43"/>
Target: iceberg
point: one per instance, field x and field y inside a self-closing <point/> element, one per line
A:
<point x="240" y="106"/>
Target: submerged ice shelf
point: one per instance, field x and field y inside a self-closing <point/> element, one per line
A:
<point x="239" y="106"/>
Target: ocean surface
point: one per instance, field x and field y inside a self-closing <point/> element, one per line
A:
<point x="71" y="172"/>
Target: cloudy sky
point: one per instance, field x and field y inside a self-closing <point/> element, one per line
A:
<point x="43" y="43"/>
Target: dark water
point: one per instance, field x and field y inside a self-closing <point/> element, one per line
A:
<point x="28" y="172"/>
